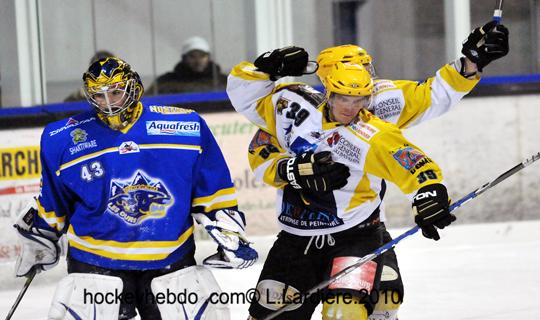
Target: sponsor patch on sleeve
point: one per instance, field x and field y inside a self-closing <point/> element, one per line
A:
<point x="261" y="138"/>
<point x="408" y="157"/>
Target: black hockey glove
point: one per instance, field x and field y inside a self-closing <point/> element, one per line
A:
<point x="315" y="172"/>
<point x="430" y="206"/>
<point x="287" y="61"/>
<point x="486" y="44"/>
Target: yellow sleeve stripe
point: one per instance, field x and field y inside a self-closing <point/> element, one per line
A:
<point x="56" y="222"/>
<point x="84" y="158"/>
<point x="171" y="146"/>
<point x="224" y="198"/>
<point x="451" y="76"/>
<point x="135" y="251"/>
<point x="115" y="149"/>
<point x="247" y="71"/>
<point x="210" y="198"/>
<point x="221" y="205"/>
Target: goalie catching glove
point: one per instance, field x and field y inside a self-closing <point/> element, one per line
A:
<point x="227" y="228"/>
<point x="39" y="248"/>
<point x="314" y="171"/>
<point x="431" y="210"/>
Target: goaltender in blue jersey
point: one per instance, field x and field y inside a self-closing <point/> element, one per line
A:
<point x="124" y="182"/>
<point x="134" y="191"/>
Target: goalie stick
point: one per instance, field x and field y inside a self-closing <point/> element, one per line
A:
<point x="21" y="294"/>
<point x="406" y="234"/>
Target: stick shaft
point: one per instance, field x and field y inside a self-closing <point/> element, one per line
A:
<point x="21" y="294"/>
<point x="497" y="13"/>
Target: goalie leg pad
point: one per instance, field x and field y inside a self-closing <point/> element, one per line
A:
<point x="189" y="293"/>
<point x="86" y="296"/>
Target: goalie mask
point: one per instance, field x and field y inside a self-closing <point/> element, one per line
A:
<point x="114" y="90"/>
<point x="349" y="88"/>
<point x="344" y="53"/>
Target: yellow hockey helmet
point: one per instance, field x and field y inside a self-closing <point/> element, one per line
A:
<point x="344" y="53"/>
<point x="114" y="90"/>
<point x="348" y="79"/>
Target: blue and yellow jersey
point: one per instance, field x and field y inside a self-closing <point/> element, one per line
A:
<point x="125" y="198"/>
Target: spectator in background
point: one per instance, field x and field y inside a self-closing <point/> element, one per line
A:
<point x="79" y="94"/>
<point x="196" y="72"/>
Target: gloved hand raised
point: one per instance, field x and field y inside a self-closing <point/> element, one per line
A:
<point x="314" y="171"/>
<point x="287" y="61"/>
<point x="486" y="44"/>
<point x="431" y="210"/>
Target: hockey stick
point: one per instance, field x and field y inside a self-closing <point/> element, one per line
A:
<point x="404" y="235"/>
<point x="497" y="13"/>
<point x="21" y="294"/>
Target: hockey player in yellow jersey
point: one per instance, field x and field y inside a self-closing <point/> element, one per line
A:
<point x="329" y="223"/>
<point x="402" y="102"/>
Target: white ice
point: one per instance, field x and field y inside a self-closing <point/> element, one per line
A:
<point x="482" y="271"/>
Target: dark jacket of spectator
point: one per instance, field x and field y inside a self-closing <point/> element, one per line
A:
<point x="184" y="79"/>
<point x="196" y="72"/>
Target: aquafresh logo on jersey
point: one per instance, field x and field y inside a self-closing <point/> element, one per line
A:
<point x="139" y="198"/>
<point x="173" y="128"/>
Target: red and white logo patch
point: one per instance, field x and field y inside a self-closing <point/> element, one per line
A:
<point x="358" y="279"/>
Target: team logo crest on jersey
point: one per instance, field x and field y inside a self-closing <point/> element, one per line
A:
<point x="128" y="147"/>
<point x="78" y="135"/>
<point x="408" y="157"/>
<point x="140" y="198"/>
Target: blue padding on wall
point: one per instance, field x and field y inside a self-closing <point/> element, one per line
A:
<point x="523" y="78"/>
<point x="187" y="98"/>
<point x="183" y="98"/>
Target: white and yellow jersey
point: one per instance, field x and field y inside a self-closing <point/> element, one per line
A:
<point x="293" y="121"/>
<point x="401" y="102"/>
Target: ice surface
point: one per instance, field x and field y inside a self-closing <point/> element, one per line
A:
<point x="481" y="271"/>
